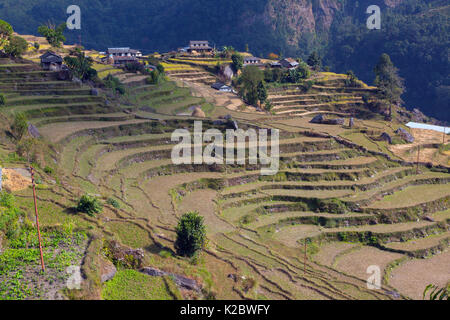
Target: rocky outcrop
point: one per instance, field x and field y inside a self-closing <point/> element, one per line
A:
<point x="181" y="281"/>
<point x="107" y="270"/>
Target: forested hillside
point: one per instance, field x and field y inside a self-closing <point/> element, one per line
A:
<point x="414" y="33"/>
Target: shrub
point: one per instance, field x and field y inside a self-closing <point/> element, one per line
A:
<point x="2" y="99"/>
<point x="48" y="170"/>
<point x="332" y="206"/>
<point x="16" y="46"/>
<point x="89" y="205"/>
<point x="114" y="83"/>
<point x="6" y="199"/>
<point x="191" y="234"/>
<point x="20" y="125"/>
<point x="113" y="202"/>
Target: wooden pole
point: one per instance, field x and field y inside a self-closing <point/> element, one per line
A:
<point x="37" y="219"/>
<point x="418" y="158"/>
<point x="304" y="265"/>
<point x="443" y="136"/>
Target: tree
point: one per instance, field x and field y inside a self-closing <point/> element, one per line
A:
<point x="388" y="81"/>
<point x="19" y="126"/>
<point x="81" y="65"/>
<point x="228" y="51"/>
<point x="351" y="80"/>
<point x="53" y="34"/>
<point x="262" y="93"/>
<point x="238" y="61"/>
<point x="273" y="56"/>
<point x="303" y="70"/>
<point x="191" y="234"/>
<point x="16" y="46"/>
<point x="315" y="61"/>
<point x="250" y="79"/>
<point x="268" y="106"/>
<point x="90" y="205"/>
<point x="246" y="48"/>
<point x="114" y="84"/>
<point x="6" y="32"/>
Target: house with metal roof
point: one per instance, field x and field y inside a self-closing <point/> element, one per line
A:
<point x="251" y="61"/>
<point x="51" y="61"/>
<point x="123" y="52"/>
<point x="199" y="47"/>
<point x="222" y="87"/>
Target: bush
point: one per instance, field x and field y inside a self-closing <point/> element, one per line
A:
<point x="20" y="125"/>
<point x="114" y="84"/>
<point x="48" y="170"/>
<point x="113" y="202"/>
<point x="191" y="234"/>
<point x="89" y="205"/>
<point x="2" y="99"/>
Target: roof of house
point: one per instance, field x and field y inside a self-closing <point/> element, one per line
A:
<point x="200" y="44"/>
<point x="51" y="57"/>
<point x="251" y="59"/>
<point x="122" y="50"/>
<point x="289" y="62"/>
<point x="219" y="85"/>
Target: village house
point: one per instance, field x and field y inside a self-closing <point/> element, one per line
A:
<point x="222" y="87"/>
<point x="289" y="63"/>
<point x="199" y="47"/>
<point x="251" y="61"/>
<point x="123" y="52"/>
<point x="51" y="61"/>
<point x="120" y="61"/>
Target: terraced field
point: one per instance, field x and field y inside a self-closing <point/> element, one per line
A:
<point x="348" y="206"/>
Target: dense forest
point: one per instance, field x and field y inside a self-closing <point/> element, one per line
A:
<point x="414" y="33"/>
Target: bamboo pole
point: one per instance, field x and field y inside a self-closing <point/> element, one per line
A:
<point x="37" y="219"/>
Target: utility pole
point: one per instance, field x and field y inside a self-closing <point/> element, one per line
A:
<point x="443" y="136"/>
<point x="37" y="219"/>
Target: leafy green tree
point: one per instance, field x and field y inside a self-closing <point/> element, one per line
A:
<point x="19" y="126"/>
<point x="238" y="61"/>
<point x="315" y="61"/>
<point x="90" y="205"/>
<point x="303" y="70"/>
<point x="53" y="34"/>
<point x="114" y="83"/>
<point x="228" y="51"/>
<point x="262" y="93"/>
<point x="6" y="32"/>
<point x="81" y="65"/>
<point x="351" y="80"/>
<point x="16" y="46"/>
<point x="268" y="106"/>
<point x="250" y="79"/>
<point x="191" y="234"/>
<point x="388" y="81"/>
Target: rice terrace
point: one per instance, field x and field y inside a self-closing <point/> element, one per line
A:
<point x="358" y="208"/>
